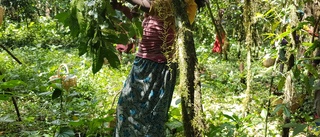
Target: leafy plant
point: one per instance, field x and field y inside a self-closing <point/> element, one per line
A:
<point x="98" y="26"/>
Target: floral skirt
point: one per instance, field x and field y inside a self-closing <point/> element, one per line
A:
<point x="145" y="99"/>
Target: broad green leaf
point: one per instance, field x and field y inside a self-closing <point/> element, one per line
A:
<point x="90" y="30"/>
<point x="111" y="111"/>
<point x="298" y="129"/>
<point x="80" y="18"/>
<point x="112" y="58"/>
<point x="96" y="37"/>
<point x="77" y="123"/>
<point x="83" y="48"/>
<point x="109" y="118"/>
<point x="11" y="84"/>
<point x="65" y="132"/>
<point x="258" y="15"/>
<point x="109" y="9"/>
<point x="229" y="117"/>
<point x="175" y="112"/>
<point x="311" y="20"/>
<point x="56" y="93"/>
<point x="286" y="111"/>
<point x="98" y="58"/>
<point x="278" y="108"/>
<point x="63" y="17"/>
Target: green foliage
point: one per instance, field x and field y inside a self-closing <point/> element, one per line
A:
<point x="20" y="9"/>
<point x="86" y="109"/>
<point x="42" y="33"/>
<point x="97" y="26"/>
<point x="65" y="132"/>
<point x="94" y="27"/>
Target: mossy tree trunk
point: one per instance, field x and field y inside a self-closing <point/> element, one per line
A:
<point x="247" y="22"/>
<point x="189" y="78"/>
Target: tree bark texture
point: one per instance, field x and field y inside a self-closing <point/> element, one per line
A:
<point x="249" y="42"/>
<point x="189" y="79"/>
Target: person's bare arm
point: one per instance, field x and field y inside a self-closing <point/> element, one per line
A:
<point x="143" y="4"/>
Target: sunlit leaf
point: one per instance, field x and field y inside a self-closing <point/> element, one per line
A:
<point x="298" y="129"/>
<point x="270" y="11"/>
<point x="229" y="117"/>
<point x="281" y="83"/>
<point x="307" y="44"/>
<point x="11" y="84"/>
<point x="258" y="15"/>
<point x="77" y="123"/>
<point x="269" y="35"/>
<point x="264" y="113"/>
<point x="282" y="35"/>
<point x="175" y="112"/>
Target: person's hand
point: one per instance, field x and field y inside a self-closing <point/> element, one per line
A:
<point x="119" y="6"/>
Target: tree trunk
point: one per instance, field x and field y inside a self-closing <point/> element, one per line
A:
<point x="247" y="24"/>
<point x="189" y="79"/>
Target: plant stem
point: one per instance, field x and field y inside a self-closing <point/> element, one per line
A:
<point x="268" y="108"/>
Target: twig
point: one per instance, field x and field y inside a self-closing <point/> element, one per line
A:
<point x="14" y="101"/>
<point x="14" y="57"/>
<point x="13" y="98"/>
<point x="268" y="107"/>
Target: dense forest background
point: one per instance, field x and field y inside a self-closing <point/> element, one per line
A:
<point x="61" y="74"/>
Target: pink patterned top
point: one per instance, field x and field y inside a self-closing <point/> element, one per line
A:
<point x="157" y="40"/>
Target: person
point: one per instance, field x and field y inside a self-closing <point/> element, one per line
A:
<point x="145" y="99"/>
<point x="218" y="45"/>
<point x="128" y="48"/>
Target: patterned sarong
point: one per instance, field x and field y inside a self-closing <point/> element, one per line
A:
<point x="145" y="99"/>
